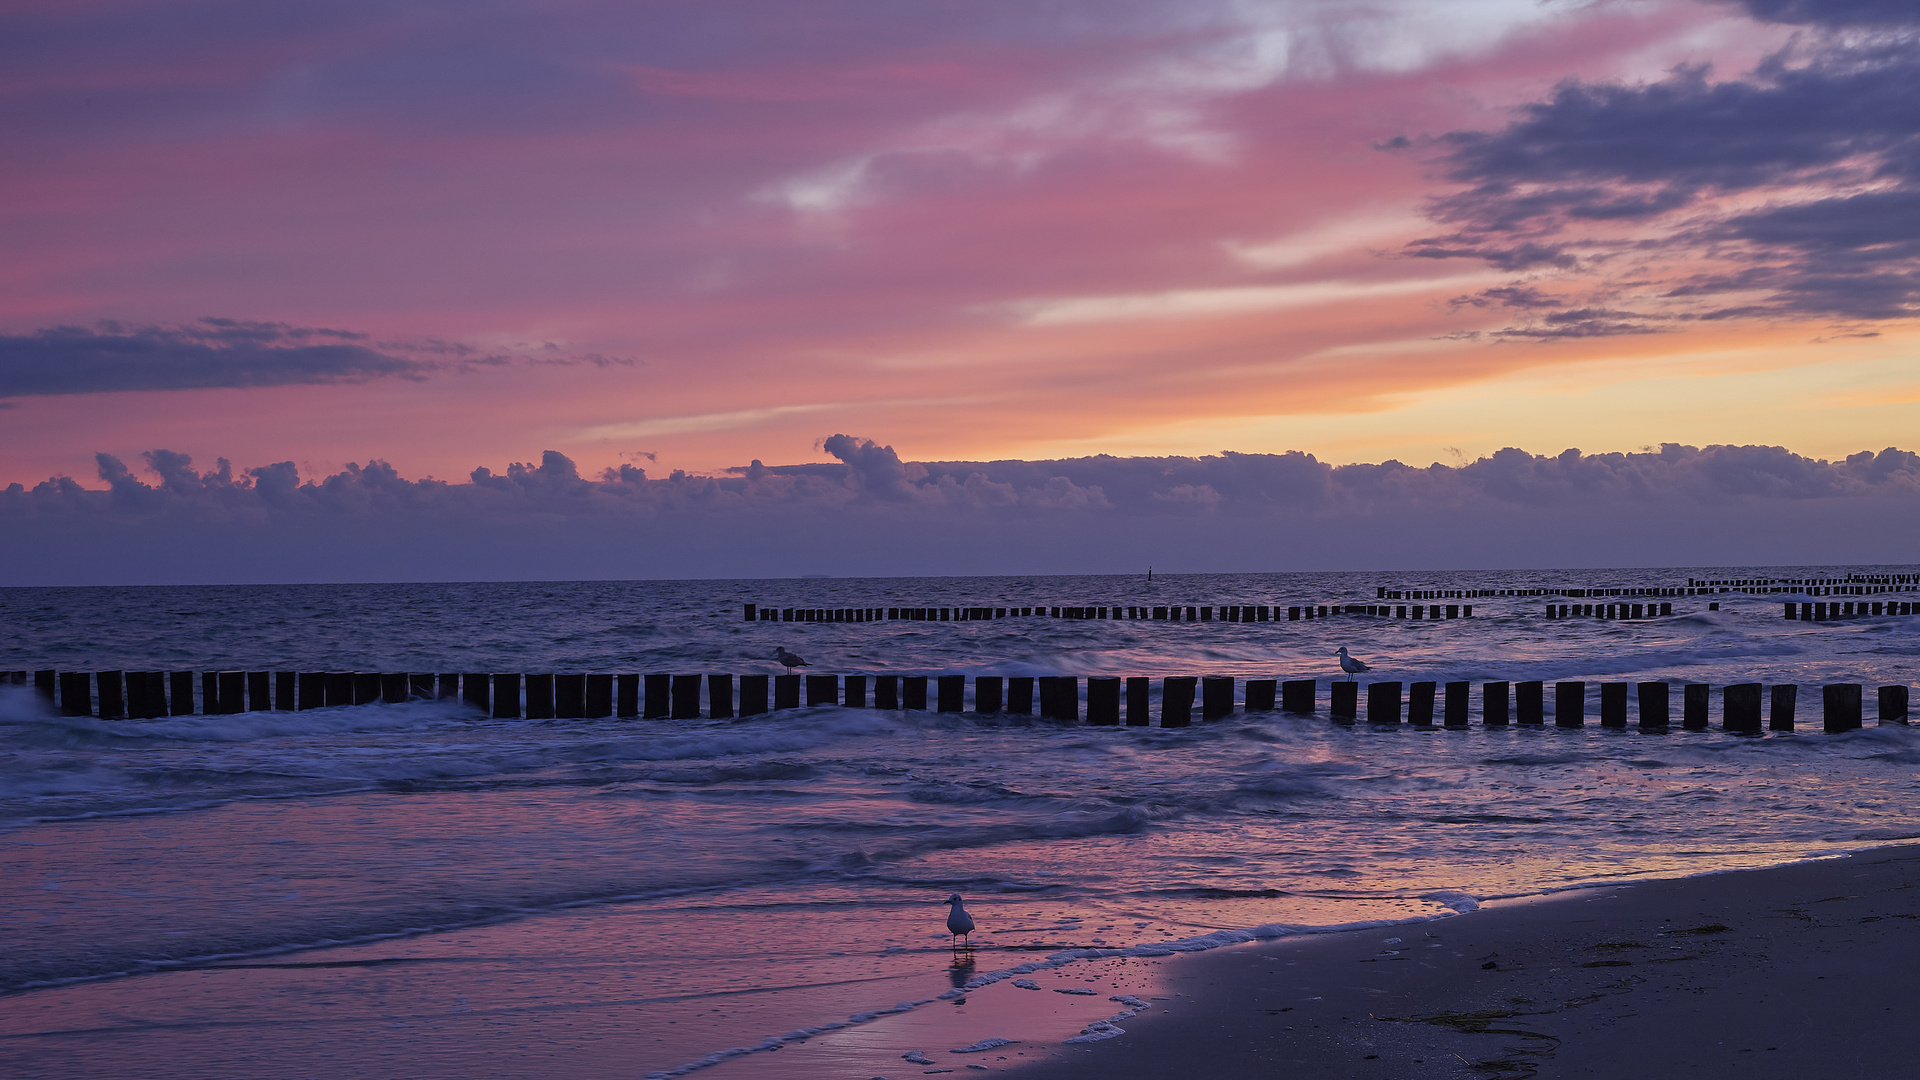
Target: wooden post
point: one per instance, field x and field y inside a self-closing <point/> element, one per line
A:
<point x="914" y="692"/>
<point x="259" y="691"/>
<point x="210" y="694"/>
<point x="753" y="615"/>
<point x="1654" y="710"/>
<point x="1297" y="695"/>
<point x="720" y="697"/>
<point x="823" y="690"/>
<point x="1740" y="707"/>
<point x="856" y="692"/>
<point x="1066" y="699"/>
<point x="1420" y="703"/>
<point x="988" y="691"/>
<point x="1459" y="696"/>
<point x="476" y="689"/>
<point x="1346" y="700"/>
<point x="753" y="695"/>
<point x="570" y="696"/>
<point x="1020" y="695"/>
<point x="139" y="705"/>
<point x="180" y="693"/>
<point x="1693" y="706"/>
<point x="1569" y="704"/>
<point x="1383" y="703"/>
<point x="786" y="692"/>
<point x="366" y="688"/>
<point x="659" y="699"/>
<point x="506" y="696"/>
<point x="599" y="696"/>
<point x="1260" y="694"/>
<point x="1494" y="705"/>
<point x="1139" y="701"/>
<point x="1780" y="717"/>
<point x="1529" y="699"/>
<point x="446" y="686"/>
<point x="310" y="689"/>
<point x="76" y="694"/>
<point x="1842" y="702"/>
<point x="1216" y="697"/>
<point x="886" y="691"/>
<point x="1893" y="704"/>
<point x="626" y="696"/>
<point x="233" y="692"/>
<point x="1103" y="700"/>
<point x="684" y="698"/>
<point x="1176" y="701"/>
<point x="285" y="691"/>
<point x="540" y="696"/>
<point x="952" y="694"/>
<point x="1613" y="704"/>
<point x="393" y="688"/>
<point x="113" y="694"/>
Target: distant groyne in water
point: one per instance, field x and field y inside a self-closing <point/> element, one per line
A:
<point x="1108" y="701"/>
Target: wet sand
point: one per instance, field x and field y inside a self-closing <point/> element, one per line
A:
<point x="1795" y="971"/>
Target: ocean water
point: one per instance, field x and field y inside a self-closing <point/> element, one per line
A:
<point x="414" y="890"/>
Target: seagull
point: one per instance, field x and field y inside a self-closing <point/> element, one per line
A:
<point x="1349" y="665"/>
<point x="959" y="923"/>
<point x="788" y="659"/>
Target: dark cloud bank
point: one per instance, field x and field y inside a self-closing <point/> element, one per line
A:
<point x="870" y="513"/>
<point x="1791" y="191"/>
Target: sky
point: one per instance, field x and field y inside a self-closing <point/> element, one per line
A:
<point x="367" y="290"/>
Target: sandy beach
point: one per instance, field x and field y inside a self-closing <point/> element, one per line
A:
<point x="1796" y="971"/>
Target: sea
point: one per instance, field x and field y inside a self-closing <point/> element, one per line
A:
<point x="419" y="890"/>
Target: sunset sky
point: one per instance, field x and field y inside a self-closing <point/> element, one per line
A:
<point x="685" y="236"/>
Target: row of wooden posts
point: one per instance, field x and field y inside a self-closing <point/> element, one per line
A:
<point x="1172" y="613"/>
<point x="1109" y="700"/>
<point x="1821" y="612"/>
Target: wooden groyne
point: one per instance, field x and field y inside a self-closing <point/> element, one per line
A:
<point x="1232" y="613"/>
<point x="1106" y="700"/>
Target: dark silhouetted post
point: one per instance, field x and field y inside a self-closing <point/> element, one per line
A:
<point x="753" y="695"/>
<point x="1139" y="701"/>
<point x="1420" y="703"/>
<point x="138" y="706"/>
<point x="1655" y="713"/>
<point x="1346" y="700"/>
<point x="1781" y="715"/>
<point x="44" y="682"/>
<point x="476" y="689"/>
<point x="1493" y="704"/>
<point x="1569" y="704"/>
<point x="393" y="688"/>
<point x="1103" y="700"/>
<point x="1459" y="704"/>
<point x="1260" y="694"/>
<point x="539" y="696"/>
<point x="659" y="701"/>
<point x="1176" y="701"/>
<point x="1216" y="697"/>
<point x="420" y="686"/>
<point x="1694" y="699"/>
<point x="1893" y="704"/>
<point x="447" y="686"/>
<point x="1529" y="699"/>
<point x="720" y="697"/>
<point x="1613" y="704"/>
<point x="753" y="614"/>
<point x="856" y="692"/>
<point x="952" y="694"/>
<point x="1740" y="707"/>
<point x="1297" y="695"/>
<point x="988" y="691"/>
<point x="914" y="692"/>
<point x="1383" y="703"/>
<point x="180" y="693"/>
<point x="626" y="696"/>
<point x="285" y="691"/>
<point x="1842" y="702"/>
<point x="1066" y="698"/>
<point x="366" y="688"/>
<point x="310" y="689"/>
<point x="209" y="693"/>
<point x="599" y="694"/>
<point x="76" y="694"/>
<point x="1020" y="695"/>
<point x="233" y="692"/>
<point x="886" y="691"/>
<point x="570" y="696"/>
<point x="259" y="691"/>
<point x="112" y="686"/>
<point x="685" y="697"/>
<point x="506" y="696"/>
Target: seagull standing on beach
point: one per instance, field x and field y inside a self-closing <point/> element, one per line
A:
<point x="1349" y="665"/>
<point x="959" y="923"/>
<point x="789" y="660"/>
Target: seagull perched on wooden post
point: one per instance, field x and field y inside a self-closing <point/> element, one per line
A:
<point x="789" y="660"/>
<point x="1349" y="665"/>
<point x="959" y="923"/>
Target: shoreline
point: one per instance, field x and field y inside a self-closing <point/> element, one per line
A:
<point x="1791" y="970"/>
